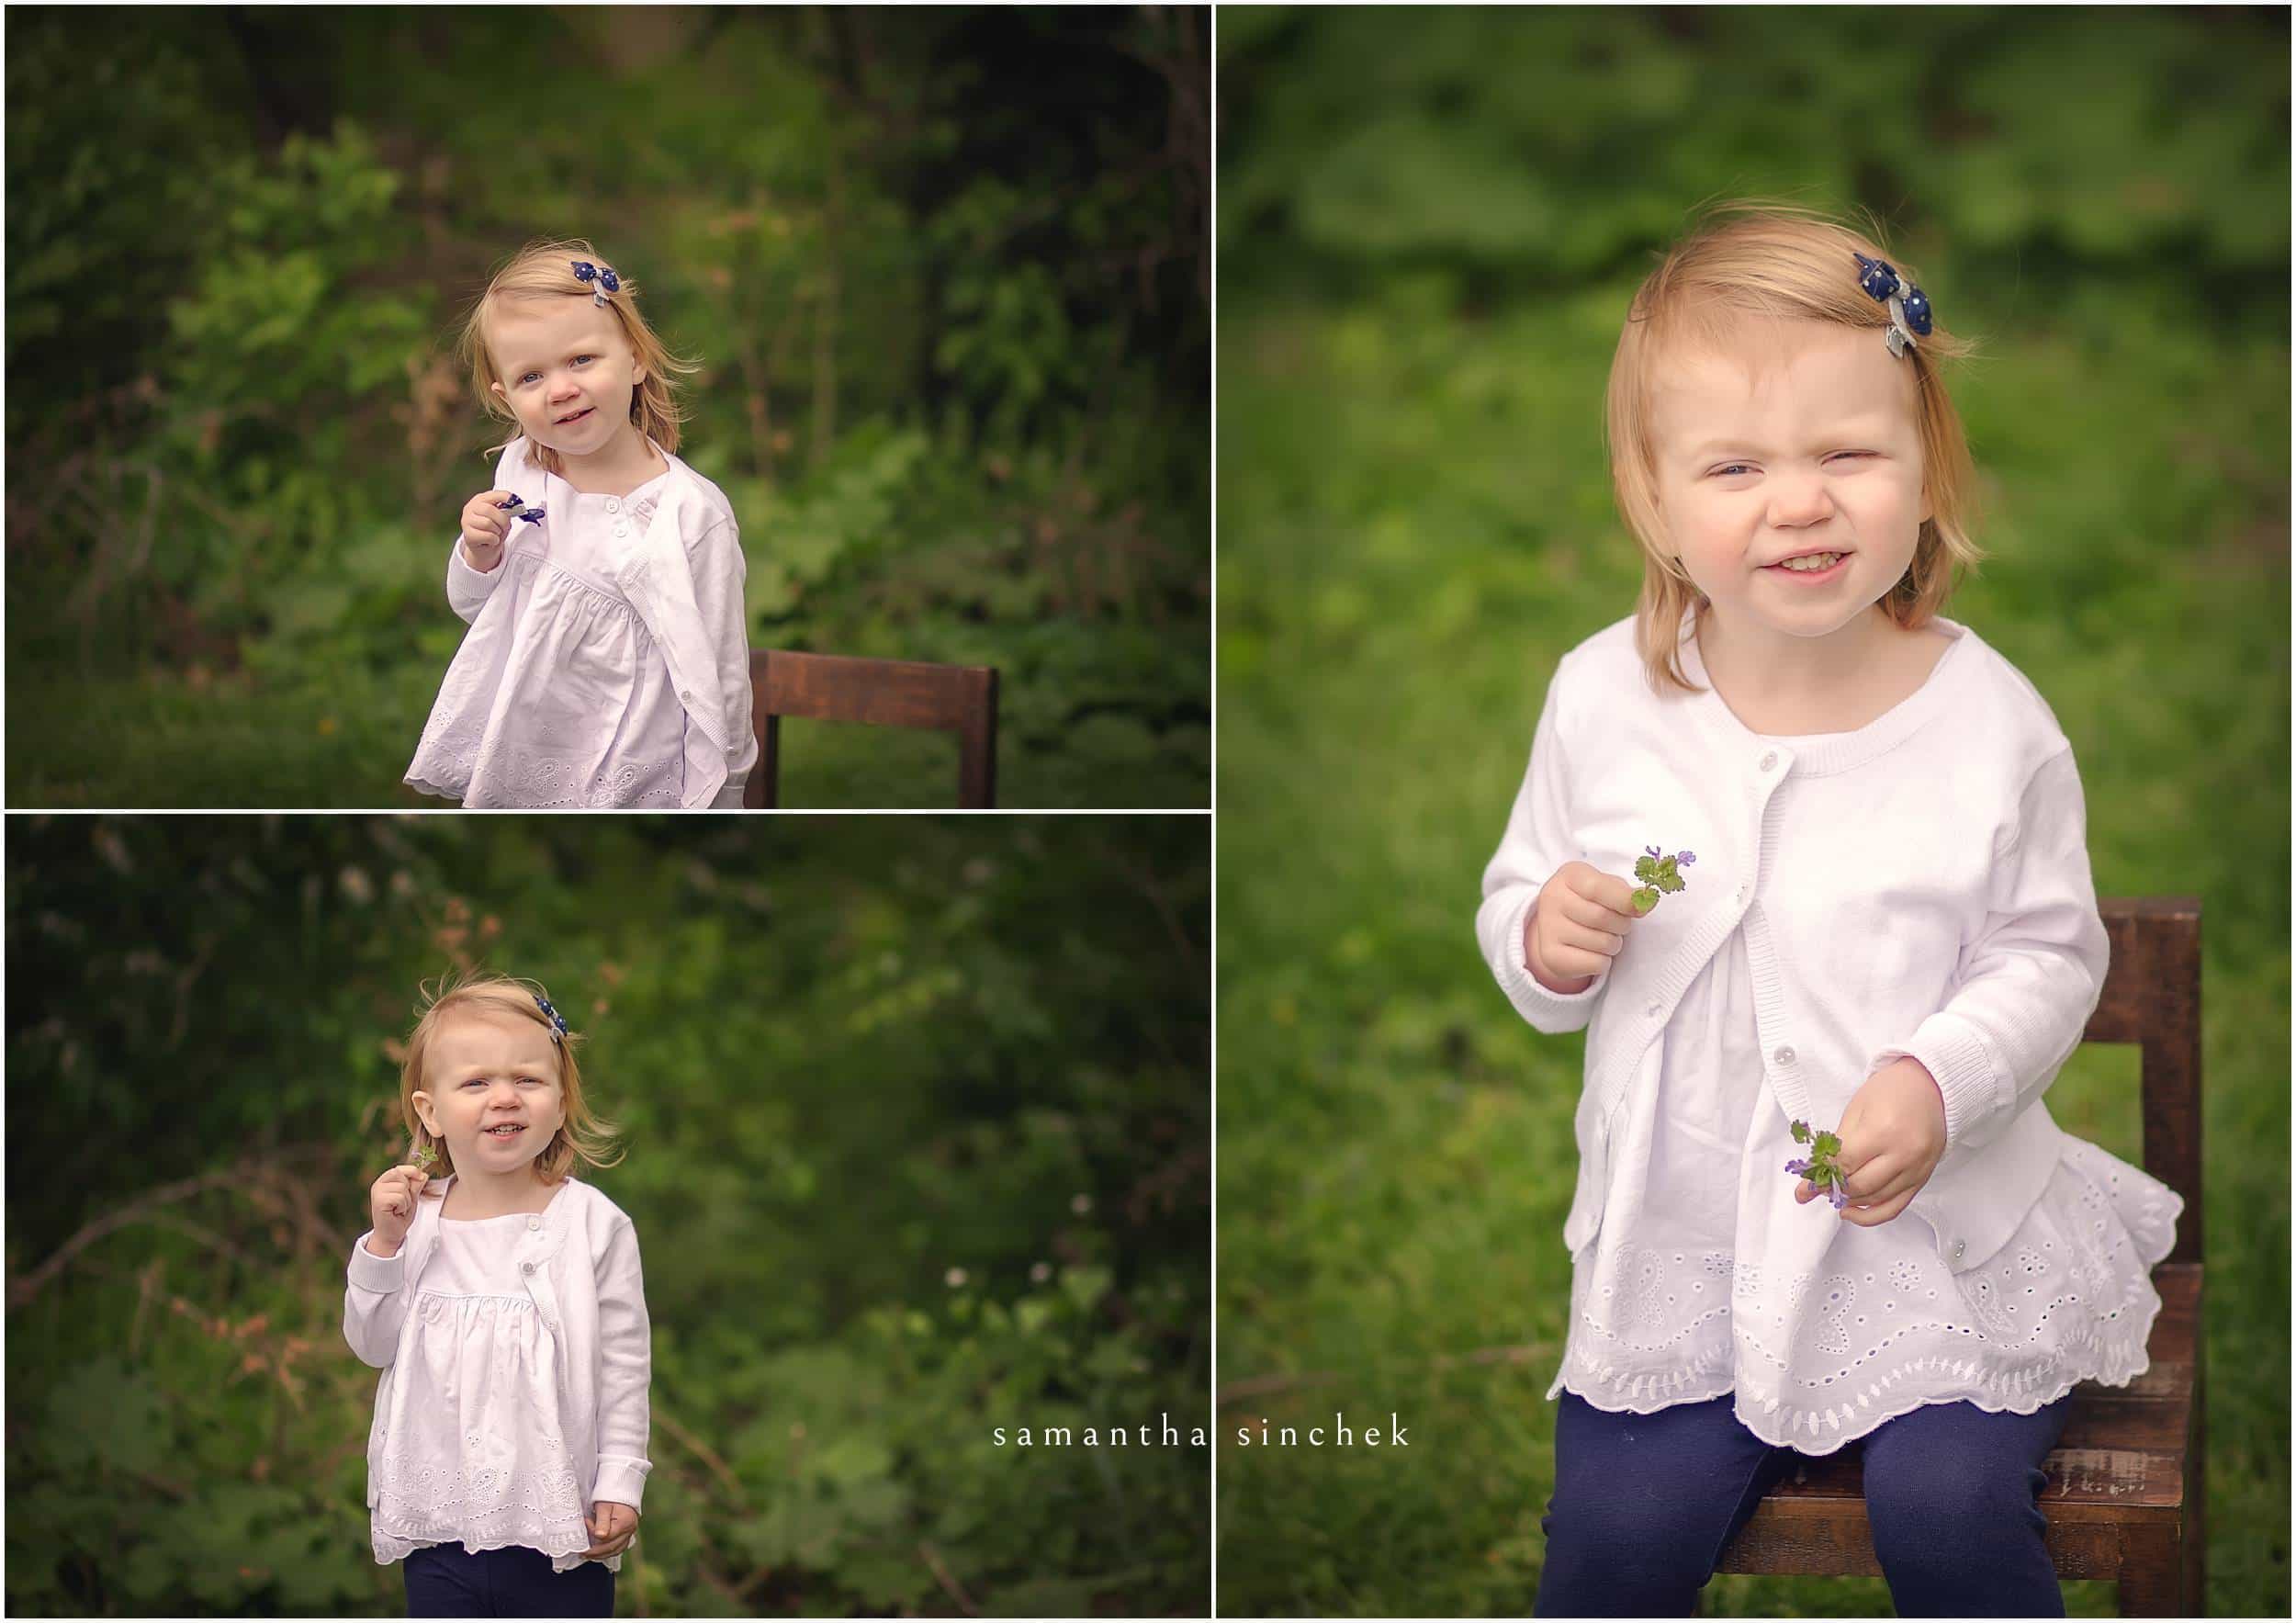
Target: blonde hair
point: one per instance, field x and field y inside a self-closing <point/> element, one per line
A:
<point x="581" y="1136"/>
<point x="1771" y="262"/>
<point x="545" y="270"/>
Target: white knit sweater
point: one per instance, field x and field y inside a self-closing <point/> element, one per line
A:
<point x="1917" y="886"/>
<point x="518" y="1421"/>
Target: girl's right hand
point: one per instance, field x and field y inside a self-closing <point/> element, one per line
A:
<point x="391" y="1202"/>
<point x="484" y="528"/>
<point x="1577" y="926"/>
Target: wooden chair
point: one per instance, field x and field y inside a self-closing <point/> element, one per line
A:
<point x="2127" y="1483"/>
<point x="961" y="699"/>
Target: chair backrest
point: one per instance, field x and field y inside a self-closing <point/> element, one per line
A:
<point x="2152" y="998"/>
<point x="961" y="699"/>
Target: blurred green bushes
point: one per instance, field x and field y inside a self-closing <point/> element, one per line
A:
<point x="948" y="274"/>
<point x="917" y="1145"/>
<point x="1431" y="222"/>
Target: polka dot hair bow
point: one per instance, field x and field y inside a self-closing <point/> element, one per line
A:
<point x="557" y="1021"/>
<point x="601" y="280"/>
<point x="1909" y="306"/>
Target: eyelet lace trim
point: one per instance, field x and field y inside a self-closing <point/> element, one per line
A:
<point x="2069" y="1299"/>
<point x="419" y="1504"/>
<point x="534" y="779"/>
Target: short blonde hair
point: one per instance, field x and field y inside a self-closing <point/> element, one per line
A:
<point x="1753" y="261"/>
<point x="582" y="1136"/>
<point x="545" y="270"/>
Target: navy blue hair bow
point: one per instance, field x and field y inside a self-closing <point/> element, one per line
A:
<point x="1909" y="306"/>
<point x="530" y="515"/>
<point x="557" y="1021"/>
<point x="603" y="275"/>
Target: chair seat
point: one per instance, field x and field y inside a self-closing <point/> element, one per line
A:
<point x="2122" y="1460"/>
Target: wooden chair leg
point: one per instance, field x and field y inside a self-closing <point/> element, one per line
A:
<point x="976" y="753"/>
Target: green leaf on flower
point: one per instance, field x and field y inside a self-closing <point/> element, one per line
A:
<point x="1801" y="1133"/>
<point x="1645" y="899"/>
<point x="1645" y="869"/>
<point x="1828" y="1145"/>
<point x="1668" y="881"/>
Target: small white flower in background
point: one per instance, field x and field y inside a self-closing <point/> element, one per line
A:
<point x="1081" y="1204"/>
<point x="357" y="885"/>
<point x="955" y="1277"/>
<point x="1041" y="1272"/>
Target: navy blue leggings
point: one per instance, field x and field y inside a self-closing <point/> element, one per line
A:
<point x="1644" y="1504"/>
<point x="448" y="1581"/>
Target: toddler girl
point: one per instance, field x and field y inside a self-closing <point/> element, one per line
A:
<point x="502" y="1299"/>
<point x="1872" y="912"/>
<point x="607" y="661"/>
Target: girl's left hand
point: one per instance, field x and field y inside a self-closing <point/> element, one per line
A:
<point x="611" y="1526"/>
<point x="1893" y="1135"/>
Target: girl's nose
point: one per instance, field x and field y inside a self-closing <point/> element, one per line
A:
<point x="1800" y="504"/>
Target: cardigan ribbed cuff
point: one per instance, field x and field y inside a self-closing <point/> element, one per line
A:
<point x="1975" y="1086"/>
<point x="1551" y="1012"/>
<point x="620" y="1479"/>
<point x="381" y="1275"/>
<point x="468" y="587"/>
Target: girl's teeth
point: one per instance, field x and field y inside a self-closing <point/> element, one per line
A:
<point x="1803" y="566"/>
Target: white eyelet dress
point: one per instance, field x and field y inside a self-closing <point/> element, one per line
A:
<point x="559" y="696"/>
<point x="471" y="1450"/>
<point x="1707" y="1278"/>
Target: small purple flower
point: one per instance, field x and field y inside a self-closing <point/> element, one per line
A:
<point x="1683" y="859"/>
<point x="1833" y="1193"/>
<point x="1797" y="1166"/>
<point x="1651" y="848"/>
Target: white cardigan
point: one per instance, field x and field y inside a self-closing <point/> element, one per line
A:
<point x="685" y="577"/>
<point x="1923" y="889"/>
<point x="579" y="1261"/>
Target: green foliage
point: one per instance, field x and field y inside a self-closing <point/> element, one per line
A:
<point x="915" y="1136"/>
<point x="1659" y="877"/>
<point x="948" y="293"/>
<point x="1416" y="524"/>
<point x="1818" y="1166"/>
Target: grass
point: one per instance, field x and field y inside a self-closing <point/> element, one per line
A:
<point x="1415" y="524"/>
<point x="158" y="739"/>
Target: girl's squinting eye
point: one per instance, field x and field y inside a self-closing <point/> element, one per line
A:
<point x="1731" y="468"/>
